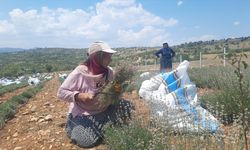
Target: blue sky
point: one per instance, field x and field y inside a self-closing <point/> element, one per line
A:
<point x="121" y="23"/>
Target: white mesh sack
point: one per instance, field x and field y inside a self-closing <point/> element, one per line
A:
<point x="172" y="98"/>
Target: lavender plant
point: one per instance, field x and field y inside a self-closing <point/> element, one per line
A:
<point x="236" y="60"/>
<point x="114" y="89"/>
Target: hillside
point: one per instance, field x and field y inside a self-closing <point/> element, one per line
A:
<point x="60" y="59"/>
<point x="215" y="46"/>
<point x="189" y="51"/>
<point x="39" y="60"/>
<point x="8" y="50"/>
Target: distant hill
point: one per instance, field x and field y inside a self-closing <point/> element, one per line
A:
<point x="215" y="46"/>
<point x="7" y="49"/>
<point x="189" y="51"/>
<point x="40" y="60"/>
<point x="18" y="61"/>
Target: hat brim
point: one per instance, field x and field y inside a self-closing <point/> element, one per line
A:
<point x="109" y="51"/>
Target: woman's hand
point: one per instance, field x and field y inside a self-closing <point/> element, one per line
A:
<point x="85" y="97"/>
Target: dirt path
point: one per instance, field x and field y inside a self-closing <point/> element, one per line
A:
<point x="8" y="95"/>
<point x="39" y="124"/>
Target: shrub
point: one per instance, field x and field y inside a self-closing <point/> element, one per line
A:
<point x="133" y="136"/>
<point x="28" y="94"/>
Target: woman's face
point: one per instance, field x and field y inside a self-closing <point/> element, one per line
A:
<point x="107" y="58"/>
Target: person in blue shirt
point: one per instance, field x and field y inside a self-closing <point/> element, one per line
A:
<point x="165" y="54"/>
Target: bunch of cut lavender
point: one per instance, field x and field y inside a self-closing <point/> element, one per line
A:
<point x="114" y="89"/>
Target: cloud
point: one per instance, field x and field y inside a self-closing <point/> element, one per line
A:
<point x="179" y="3"/>
<point x="140" y="37"/>
<point x="118" y="3"/>
<point x="6" y="27"/>
<point x="236" y="23"/>
<point x="118" y="22"/>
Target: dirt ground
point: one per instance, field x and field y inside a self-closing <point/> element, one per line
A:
<point x="6" y="96"/>
<point x="39" y="124"/>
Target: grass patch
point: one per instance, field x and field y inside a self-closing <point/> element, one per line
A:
<point x="12" y="87"/>
<point x="224" y="103"/>
<point x="134" y="136"/>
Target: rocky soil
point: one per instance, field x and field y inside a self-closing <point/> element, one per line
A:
<point x="39" y="124"/>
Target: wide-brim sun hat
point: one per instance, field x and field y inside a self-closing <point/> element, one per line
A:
<point x="100" y="46"/>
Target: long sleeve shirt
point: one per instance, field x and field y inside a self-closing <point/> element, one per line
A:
<point x="79" y="80"/>
<point x="165" y="53"/>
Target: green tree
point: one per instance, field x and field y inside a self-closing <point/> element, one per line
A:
<point x="48" y="67"/>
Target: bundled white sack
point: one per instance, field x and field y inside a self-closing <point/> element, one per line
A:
<point x="33" y="81"/>
<point x="172" y="98"/>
